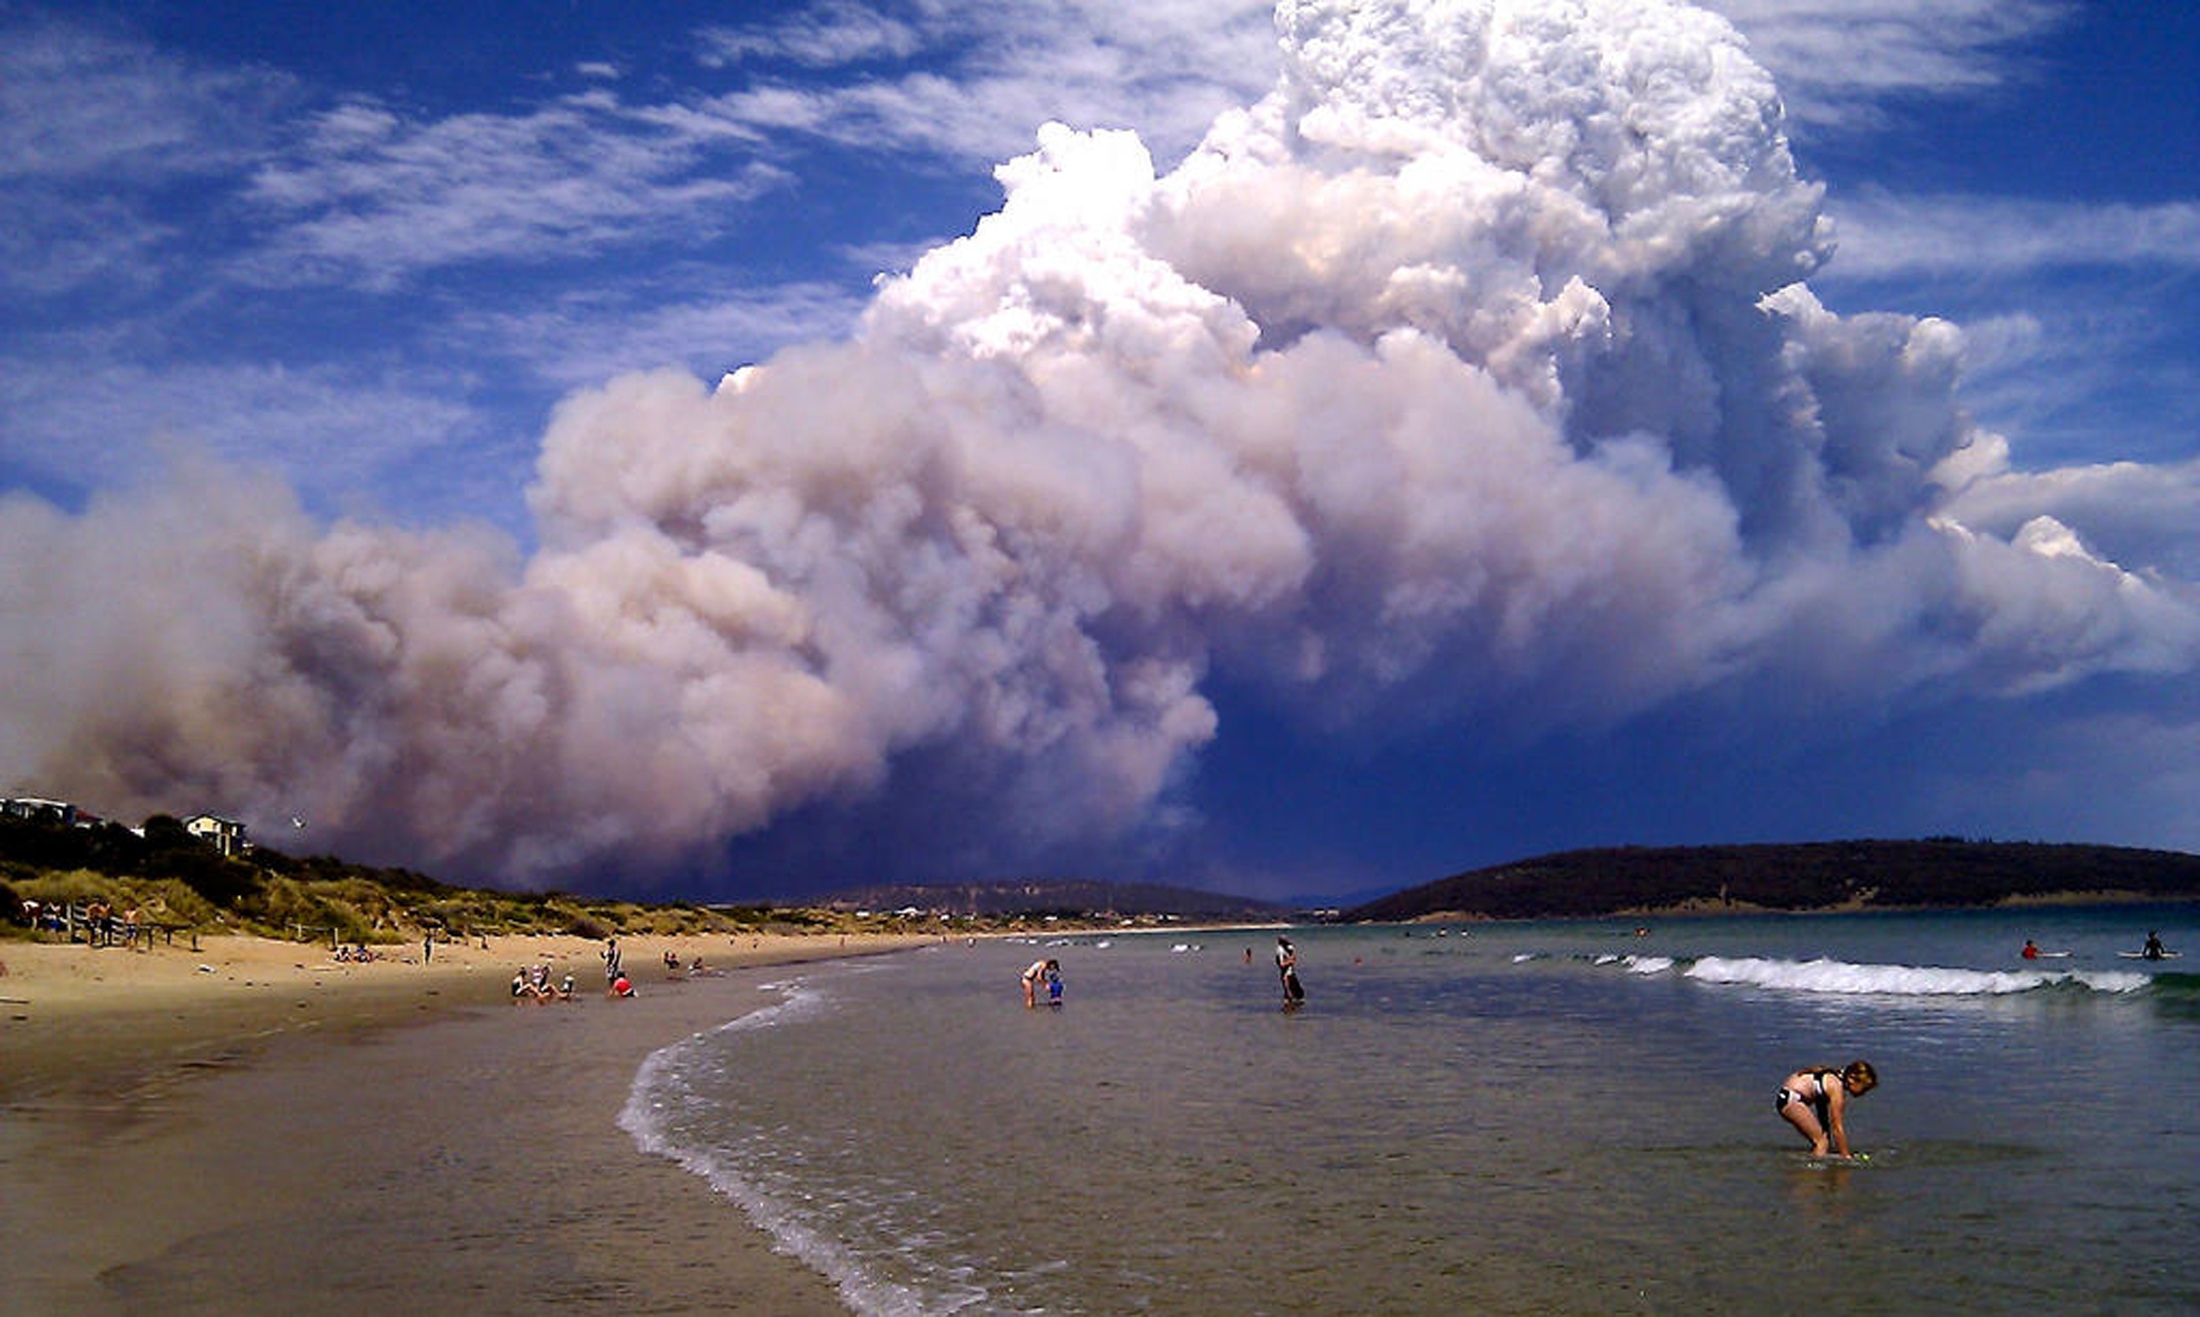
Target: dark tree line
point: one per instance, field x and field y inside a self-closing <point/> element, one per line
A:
<point x="165" y="850"/>
<point x="1945" y="872"/>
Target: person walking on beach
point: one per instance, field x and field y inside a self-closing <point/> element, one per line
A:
<point x="1287" y="971"/>
<point x="610" y="961"/>
<point x="1815" y="1102"/>
<point x="1037" y="970"/>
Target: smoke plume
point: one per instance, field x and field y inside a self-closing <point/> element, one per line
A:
<point x="1471" y="379"/>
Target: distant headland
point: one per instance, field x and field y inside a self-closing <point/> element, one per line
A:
<point x="1940" y="872"/>
<point x="174" y="878"/>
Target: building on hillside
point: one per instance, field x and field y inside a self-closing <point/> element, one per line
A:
<point x="224" y="835"/>
<point x="37" y="808"/>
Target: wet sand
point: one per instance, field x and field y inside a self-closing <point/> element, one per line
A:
<point x="278" y="1133"/>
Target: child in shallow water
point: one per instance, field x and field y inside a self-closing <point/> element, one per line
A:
<point x="1815" y="1102"/>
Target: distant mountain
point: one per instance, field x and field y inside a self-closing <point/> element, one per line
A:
<point x="1069" y="898"/>
<point x="1834" y="875"/>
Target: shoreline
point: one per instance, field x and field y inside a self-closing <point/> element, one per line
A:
<point x="1711" y="908"/>
<point x="279" y="1131"/>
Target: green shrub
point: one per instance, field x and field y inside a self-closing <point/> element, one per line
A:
<point x="223" y="882"/>
<point x="74" y="887"/>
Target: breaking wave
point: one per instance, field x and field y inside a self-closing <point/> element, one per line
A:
<point x="1837" y="977"/>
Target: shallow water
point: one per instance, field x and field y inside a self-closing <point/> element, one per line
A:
<point x="1521" y="1117"/>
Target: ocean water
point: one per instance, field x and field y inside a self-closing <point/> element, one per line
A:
<point x="1534" y="1117"/>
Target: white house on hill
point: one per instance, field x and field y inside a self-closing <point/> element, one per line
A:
<point x="225" y="835"/>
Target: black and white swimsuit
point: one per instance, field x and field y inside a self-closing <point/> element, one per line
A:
<point x="1821" y="1104"/>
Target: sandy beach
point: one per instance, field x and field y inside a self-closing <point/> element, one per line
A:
<point x="252" y="1126"/>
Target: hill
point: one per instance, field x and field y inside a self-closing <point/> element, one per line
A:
<point x="1839" y="875"/>
<point x="1066" y="898"/>
<point x="177" y="883"/>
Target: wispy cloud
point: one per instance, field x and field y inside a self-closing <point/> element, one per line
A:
<point x="972" y="82"/>
<point x="1840" y="62"/>
<point x="47" y="250"/>
<point x="1884" y="235"/>
<point x="78" y="104"/>
<point x="827" y="36"/>
<point x="371" y="196"/>
<point x="349" y="426"/>
<point x="589" y="336"/>
<point x="97" y="130"/>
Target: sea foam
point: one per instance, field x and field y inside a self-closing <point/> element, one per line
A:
<point x="1842" y="977"/>
<point x="662" y="1086"/>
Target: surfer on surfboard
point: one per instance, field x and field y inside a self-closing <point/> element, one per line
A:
<point x="1815" y="1101"/>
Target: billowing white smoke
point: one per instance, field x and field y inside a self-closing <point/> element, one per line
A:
<point x="1470" y="372"/>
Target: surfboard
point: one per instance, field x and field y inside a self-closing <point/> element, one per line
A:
<point x="2053" y="955"/>
<point x="2141" y="955"/>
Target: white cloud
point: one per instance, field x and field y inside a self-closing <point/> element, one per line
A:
<point x="824" y="36"/>
<point x="370" y="196"/>
<point x="79" y="105"/>
<point x="972" y="81"/>
<point x="2143" y="516"/>
<point x="1840" y="62"/>
<point x="94" y="127"/>
<point x="48" y="250"/>
<point x="584" y="338"/>
<point x="1884" y="236"/>
<point x="347" y="427"/>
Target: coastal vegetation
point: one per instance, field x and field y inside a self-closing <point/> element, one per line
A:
<point x="1063" y="899"/>
<point x="177" y="882"/>
<point x="1944" y="872"/>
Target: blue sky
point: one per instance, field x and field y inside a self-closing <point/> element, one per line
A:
<point x="1421" y="474"/>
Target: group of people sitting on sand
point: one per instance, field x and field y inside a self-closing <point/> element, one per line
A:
<point x="532" y="984"/>
<point x="694" y="969"/>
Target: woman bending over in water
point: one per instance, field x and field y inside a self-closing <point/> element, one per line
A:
<point x="1814" y="1100"/>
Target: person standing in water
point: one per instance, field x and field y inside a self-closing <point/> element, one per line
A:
<point x="1815" y="1102"/>
<point x="1037" y="970"/>
<point x="1287" y="971"/>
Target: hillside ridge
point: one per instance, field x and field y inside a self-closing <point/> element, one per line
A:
<point x="1800" y="876"/>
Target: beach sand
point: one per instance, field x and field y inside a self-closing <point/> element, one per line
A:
<point x="253" y="1127"/>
